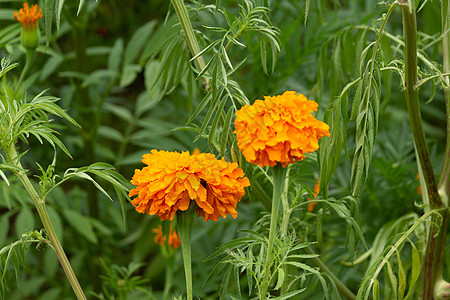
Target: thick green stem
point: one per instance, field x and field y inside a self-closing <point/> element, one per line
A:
<point x="435" y="244"/>
<point x="191" y="40"/>
<point x="279" y="175"/>
<point x="185" y="220"/>
<point x="412" y="103"/>
<point x="54" y="242"/>
<point x="284" y="200"/>
<point x="285" y="225"/>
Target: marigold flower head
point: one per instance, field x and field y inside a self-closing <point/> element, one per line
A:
<point x="278" y="129"/>
<point x="316" y="192"/>
<point x="29" y="18"/>
<point x="171" y="180"/>
<point x="174" y="237"/>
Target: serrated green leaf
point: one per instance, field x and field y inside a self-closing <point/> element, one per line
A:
<point x="48" y="15"/>
<point x="81" y="224"/>
<point x="24" y="221"/>
<point x="214" y="124"/>
<point x="80" y="6"/>
<point x="129" y="74"/>
<point x="59" y="4"/>
<point x="3" y="175"/>
<point x="225" y="282"/>
<point x="392" y="280"/>
<point x="280" y="279"/>
<point x="289" y="295"/>
<point x="137" y="42"/>
<point x="375" y="290"/>
<point x="110" y="133"/>
<point x="115" y="57"/>
<point x="226" y="127"/>
<point x="416" y="266"/>
<point x="401" y="277"/>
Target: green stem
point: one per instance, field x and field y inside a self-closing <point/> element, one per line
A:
<point x="54" y="242"/>
<point x="26" y="68"/>
<point x="191" y="40"/>
<point x="435" y="244"/>
<point x="285" y="202"/>
<point x="285" y="225"/>
<point x="279" y="175"/>
<point x="412" y="102"/>
<point x="185" y="220"/>
<point x="342" y="288"/>
<point x="444" y="181"/>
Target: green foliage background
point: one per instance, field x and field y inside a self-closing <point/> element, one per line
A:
<point x="123" y="71"/>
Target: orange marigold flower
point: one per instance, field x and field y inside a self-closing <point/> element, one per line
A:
<point x="316" y="191"/>
<point x="174" y="237"/>
<point x="171" y="180"/>
<point x="278" y="129"/>
<point x="28" y="16"/>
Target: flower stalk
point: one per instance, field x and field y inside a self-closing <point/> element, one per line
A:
<point x="435" y="244"/>
<point x="39" y="203"/>
<point x="279" y="176"/>
<point x="185" y="220"/>
<point x="26" y="68"/>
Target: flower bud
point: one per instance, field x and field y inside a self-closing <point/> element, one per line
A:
<point x="29" y="17"/>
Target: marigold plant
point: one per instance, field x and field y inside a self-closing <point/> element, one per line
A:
<point x="278" y="129"/>
<point x="171" y="180"/>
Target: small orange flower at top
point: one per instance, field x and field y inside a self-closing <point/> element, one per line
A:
<point x="280" y="129"/>
<point x="316" y="192"/>
<point x="174" y="237"/>
<point x="171" y="180"/>
<point x="29" y="18"/>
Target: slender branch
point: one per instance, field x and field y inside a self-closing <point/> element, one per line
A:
<point x="435" y="244"/>
<point x="42" y="211"/>
<point x="191" y="40"/>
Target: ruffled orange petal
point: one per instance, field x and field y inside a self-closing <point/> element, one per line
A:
<point x="280" y="129"/>
<point x="171" y="180"/>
